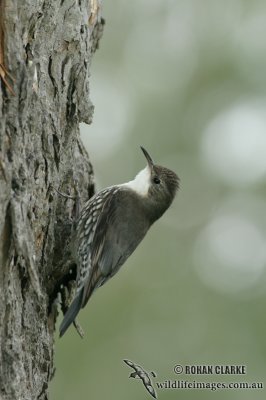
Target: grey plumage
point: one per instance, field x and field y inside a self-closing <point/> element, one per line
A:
<point x="112" y="224"/>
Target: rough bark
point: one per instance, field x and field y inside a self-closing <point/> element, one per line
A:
<point x="48" y="46"/>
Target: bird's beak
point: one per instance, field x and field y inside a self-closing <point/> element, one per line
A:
<point x="148" y="158"/>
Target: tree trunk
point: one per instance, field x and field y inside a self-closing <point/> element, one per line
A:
<point x="47" y="47"/>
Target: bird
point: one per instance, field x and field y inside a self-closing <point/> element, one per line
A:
<point x="112" y="224"/>
<point x="143" y="375"/>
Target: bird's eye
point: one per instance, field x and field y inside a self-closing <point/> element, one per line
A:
<point x="156" y="180"/>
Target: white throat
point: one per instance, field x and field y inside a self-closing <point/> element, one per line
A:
<point x="141" y="183"/>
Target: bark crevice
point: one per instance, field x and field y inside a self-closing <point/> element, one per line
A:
<point x="48" y="47"/>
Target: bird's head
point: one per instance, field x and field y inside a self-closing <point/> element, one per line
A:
<point x="163" y="183"/>
<point x="156" y="183"/>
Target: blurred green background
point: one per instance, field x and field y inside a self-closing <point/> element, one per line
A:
<point x="187" y="80"/>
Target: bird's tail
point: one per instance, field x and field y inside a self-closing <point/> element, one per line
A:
<point x="71" y="313"/>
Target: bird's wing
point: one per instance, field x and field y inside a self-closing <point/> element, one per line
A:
<point x="148" y="383"/>
<point x="86" y="228"/>
<point x="131" y="364"/>
<point x="85" y="232"/>
<point x="118" y="232"/>
<point x="136" y="367"/>
<point x="150" y="389"/>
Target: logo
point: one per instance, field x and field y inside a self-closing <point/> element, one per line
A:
<point x="220" y="378"/>
<point x="140" y="373"/>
